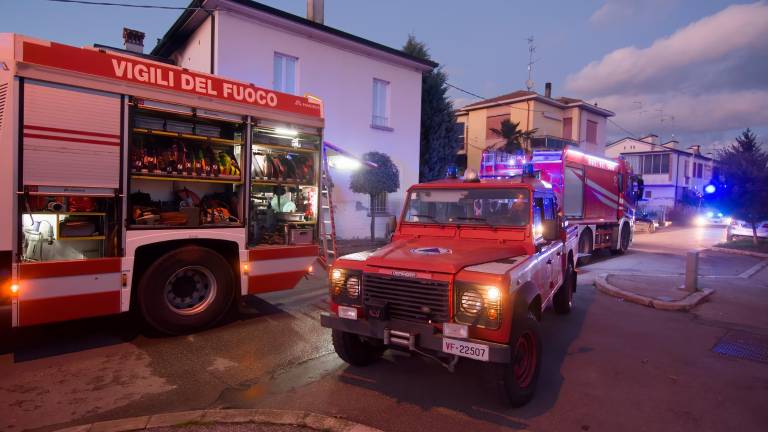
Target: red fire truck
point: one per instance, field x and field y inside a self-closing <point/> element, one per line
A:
<point x="470" y="269"/>
<point x="599" y="195"/>
<point x="131" y="183"/>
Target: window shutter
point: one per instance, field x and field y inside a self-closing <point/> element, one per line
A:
<point x="71" y="136"/>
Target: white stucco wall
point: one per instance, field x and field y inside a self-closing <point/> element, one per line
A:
<point x="343" y="79"/>
<point x="196" y="54"/>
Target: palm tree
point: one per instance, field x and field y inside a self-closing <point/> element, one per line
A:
<point x="515" y="140"/>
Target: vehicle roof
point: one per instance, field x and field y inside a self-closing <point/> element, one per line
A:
<point x="531" y="183"/>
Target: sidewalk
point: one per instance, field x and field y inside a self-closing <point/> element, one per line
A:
<point x="227" y="420"/>
<point x="665" y="292"/>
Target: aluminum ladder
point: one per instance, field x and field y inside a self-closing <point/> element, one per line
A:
<point x="326" y="216"/>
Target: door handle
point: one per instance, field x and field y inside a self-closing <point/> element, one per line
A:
<point x="549" y="261"/>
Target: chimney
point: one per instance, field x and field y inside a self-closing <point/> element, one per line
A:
<point x="315" y="11"/>
<point x="548" y="90"/>
<point x="651" y="139"/>
<point x="133" y="40"/>
<point x="695" y="149"/>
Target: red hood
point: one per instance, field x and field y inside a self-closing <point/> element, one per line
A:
<point x="443" y="255"/>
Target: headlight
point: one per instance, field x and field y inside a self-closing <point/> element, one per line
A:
<point x="345" y="286"/>
<point x="353" y="286"/>
<point x="478" y="305"/>
<point x="471" y="302"/>
<point x="700" y="221"/>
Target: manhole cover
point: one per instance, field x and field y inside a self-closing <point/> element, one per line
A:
<point x="743" y="345"/>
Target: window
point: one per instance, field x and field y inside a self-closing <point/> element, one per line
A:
<point x="591" y="132"/>
<point x="380" y="103"/>
<point x="380" y="203"/>
<point x="685" y="169"/>
<point x="549" y="209"/>
<point x="651" y="164"/>
<point x="648" y="194"/>
<point x="494" y="207"/>
<point x="494" y="122"/>
<point x="460" y="131"/>
<point x="285" y="79"/>
<point x="699" y="170"/>
<point x="568" y="128"/>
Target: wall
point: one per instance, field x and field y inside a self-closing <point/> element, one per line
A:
<point x="597" y="149"/>
<point x="344" y="81"/>
<point x="196" y="54"/>
<point x="627" y="146"/>
<point x="547" y="119"/>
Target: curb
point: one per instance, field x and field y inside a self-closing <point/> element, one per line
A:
<point x="738" y="252"/>
<point x="264" y="416"/>
<point x="685" y="304"/>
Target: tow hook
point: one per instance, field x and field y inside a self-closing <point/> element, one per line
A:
<point x="407" y="340"/>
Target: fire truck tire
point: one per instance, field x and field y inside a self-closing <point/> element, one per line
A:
<point x="623" y="240"/>
<point x="585" y="247"/>
<point x="356" y="350"/>
<point x="186" y="290"/>
<point x="562" y="302"/>
<point x="522" y="374"/>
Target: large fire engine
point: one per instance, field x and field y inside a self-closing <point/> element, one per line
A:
<point x="130" y="183"/>
<point x="598" y="195"/>
<point x="470" y="269"/>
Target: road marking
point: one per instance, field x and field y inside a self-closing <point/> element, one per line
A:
<point x="754" y="269"/>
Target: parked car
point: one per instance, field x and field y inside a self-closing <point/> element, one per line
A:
<point x="711" y="218"/>
<point x="646" y="222"/>
<point x="739" y="228"/>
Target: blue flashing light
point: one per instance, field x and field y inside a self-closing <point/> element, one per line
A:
<point x="710" y="188"/>
<point x="710" y="214"/>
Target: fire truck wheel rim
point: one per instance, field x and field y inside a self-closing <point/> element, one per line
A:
<point x="190" y="290"/>
<point x="525" y="359"/>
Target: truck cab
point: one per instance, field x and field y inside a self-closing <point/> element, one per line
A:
<point x="468" y="272"/>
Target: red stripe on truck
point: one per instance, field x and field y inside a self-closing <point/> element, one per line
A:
<point x="68" y="139"/>
<point x="71" y="131"/>
<point x="277" y="252"/>
<point x="69" y="268"/>
<point x="55" y="309"/>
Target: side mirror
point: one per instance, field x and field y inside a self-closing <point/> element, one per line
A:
<point x="551" y="229"/>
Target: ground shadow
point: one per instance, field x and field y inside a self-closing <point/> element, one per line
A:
<point x="32" y="343"/>
<point x="475" y="388"/>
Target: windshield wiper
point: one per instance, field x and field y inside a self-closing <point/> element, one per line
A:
<point x="434" y="219"/>
<point x="479" y="219"/>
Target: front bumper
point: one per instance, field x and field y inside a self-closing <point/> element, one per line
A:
<point x="409" y="335"/>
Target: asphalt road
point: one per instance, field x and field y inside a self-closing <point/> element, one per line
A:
<point x="608" y="366"/>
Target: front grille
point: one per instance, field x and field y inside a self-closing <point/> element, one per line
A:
<point x="417" y="300"/>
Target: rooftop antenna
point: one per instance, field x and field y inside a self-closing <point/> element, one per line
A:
<point x="531" y="52"/>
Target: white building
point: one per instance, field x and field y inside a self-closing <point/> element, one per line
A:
<point x="669" y="173"/>
<point x="371" y="93"/>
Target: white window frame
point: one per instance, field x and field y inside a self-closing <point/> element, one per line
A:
<point x="280" y="78"/>
<point x="380" y="113"/>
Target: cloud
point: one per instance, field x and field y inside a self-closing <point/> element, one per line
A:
<point x="711" y="39"/>
<point x="616" y="11"/>
<point x="709" y="76"/>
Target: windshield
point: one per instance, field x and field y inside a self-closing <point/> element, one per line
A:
<point x="495" y="207"/>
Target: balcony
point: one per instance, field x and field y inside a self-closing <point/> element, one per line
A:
<point x="547" y="142"/>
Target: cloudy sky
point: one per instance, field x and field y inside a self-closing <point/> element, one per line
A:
<point x="693" y="69"/>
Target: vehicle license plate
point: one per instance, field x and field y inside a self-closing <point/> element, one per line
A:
<point x="465" y="349"/>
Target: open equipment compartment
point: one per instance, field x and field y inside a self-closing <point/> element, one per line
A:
<point x="185" y="167"/>
<point x="64" y="223"/>
<point x="284" y="184"/>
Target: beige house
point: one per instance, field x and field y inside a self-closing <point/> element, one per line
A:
<point x="559" y="122"/>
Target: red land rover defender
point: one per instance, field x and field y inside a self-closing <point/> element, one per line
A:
<point x="468" y="273"/>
